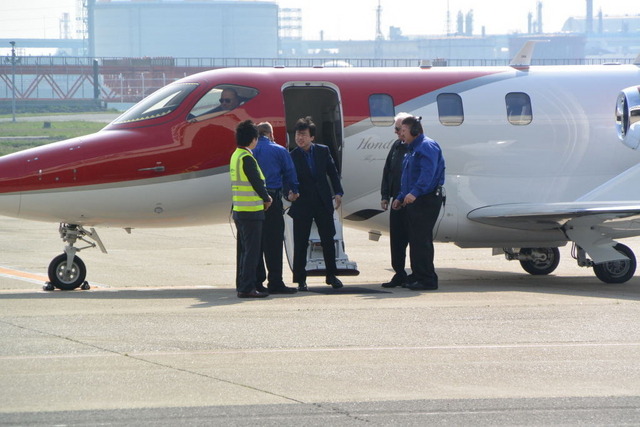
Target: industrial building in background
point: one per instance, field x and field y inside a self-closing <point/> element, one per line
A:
<point x="260" y="29"/>
<point x="125" y="49"/>
<point x="183" y="29"/>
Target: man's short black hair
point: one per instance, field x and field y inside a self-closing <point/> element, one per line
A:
<point x="414" y="123"/>
<point x="304" y="124"/>
<point x="246" y="132"/>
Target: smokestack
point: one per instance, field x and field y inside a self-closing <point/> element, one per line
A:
<point x="469" y="23"/>
<point x="540" y="17"/>
<point x="91" y="28"/>
<point x="589" y="28"/>
<point x="460" y="26"/>
<point x="600" y="22"/>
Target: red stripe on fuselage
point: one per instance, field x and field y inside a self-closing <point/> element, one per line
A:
<point x="169" y="145"/>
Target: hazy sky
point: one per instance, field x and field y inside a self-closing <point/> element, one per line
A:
<point x="347" y="19"/>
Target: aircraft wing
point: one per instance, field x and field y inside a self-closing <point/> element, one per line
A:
<point x="592" y="225"/>
<point x="547" y="216"/>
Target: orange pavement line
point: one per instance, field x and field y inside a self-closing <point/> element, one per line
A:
<point x="22" y="275"/>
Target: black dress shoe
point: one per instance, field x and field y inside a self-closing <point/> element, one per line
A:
<point x="252" y="294"/>
<point x="419" y="286"/>
<point x="261" y="288"/>
<point x="282" y="290"/>
<point x="393" y="284"/>
<point x="302" y="287"/>
<point x="334" y="282"/>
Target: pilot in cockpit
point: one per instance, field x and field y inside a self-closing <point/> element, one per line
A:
<point x="220" y="100"/>
<point x="229" y="99"/>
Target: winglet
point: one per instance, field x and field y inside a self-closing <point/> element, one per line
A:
<point x="522" y="59"/>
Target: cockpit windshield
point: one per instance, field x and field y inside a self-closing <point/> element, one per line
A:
<point x="158" y="104"/>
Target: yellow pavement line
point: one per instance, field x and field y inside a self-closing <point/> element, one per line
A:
<point x="33" y="277"/>
<point x="23" y="275"/>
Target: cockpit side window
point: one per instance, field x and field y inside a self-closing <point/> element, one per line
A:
<point x="158" y="104"/>
<point x="519" y="111"/>
<point x="221" y="99"/>
<point x="381" y="109"/>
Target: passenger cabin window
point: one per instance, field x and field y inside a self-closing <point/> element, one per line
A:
<point x="519" y="111"/>
<point x="381" y="109"/>
<point x="221" y="99"/>
<point x="450" y="111"/>
<point x="158" y="104"/>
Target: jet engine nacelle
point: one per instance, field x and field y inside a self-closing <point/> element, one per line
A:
<point x="628" y="116"/>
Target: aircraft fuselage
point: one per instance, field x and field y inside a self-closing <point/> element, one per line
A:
<point x="171" y="169"/>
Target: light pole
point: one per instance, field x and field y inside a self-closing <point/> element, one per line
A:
<point x="13" y="60"/>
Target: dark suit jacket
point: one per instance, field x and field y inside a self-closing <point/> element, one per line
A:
<point x="315" y="191"/>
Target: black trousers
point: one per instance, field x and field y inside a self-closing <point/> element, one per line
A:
<point x="422" y="215"/>
<point x="272" y="242"/>
<point x="399" y="240"/>
<point x="248" y="252"/>
<point x="301" y="230"/>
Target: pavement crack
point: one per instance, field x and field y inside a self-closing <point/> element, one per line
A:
<point x="168" y="366"/>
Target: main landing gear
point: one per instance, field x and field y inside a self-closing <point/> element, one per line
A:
<point x="543" y="261"/>
<point x="67" y="271"/>
<point x="618" y="271"/>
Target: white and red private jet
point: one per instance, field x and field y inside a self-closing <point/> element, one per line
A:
<point x="536" y="157"/>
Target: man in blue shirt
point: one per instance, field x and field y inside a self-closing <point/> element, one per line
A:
<point x="277" y="166"/>
<point x="421" y="194"/>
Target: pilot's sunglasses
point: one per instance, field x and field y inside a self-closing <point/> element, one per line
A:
<point x="225" y="100"/>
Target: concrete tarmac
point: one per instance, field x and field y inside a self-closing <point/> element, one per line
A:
<point x="162" y="339"/>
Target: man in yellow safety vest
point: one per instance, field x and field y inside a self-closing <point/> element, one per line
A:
<point x="250" y="199"/>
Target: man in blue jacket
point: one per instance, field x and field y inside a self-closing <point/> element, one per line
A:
<point x="280" y="174"/>
<point x="421" y="193"/>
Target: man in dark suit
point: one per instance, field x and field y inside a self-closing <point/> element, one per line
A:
<point x="314" y="164"/>
<point x="398" y="222"/>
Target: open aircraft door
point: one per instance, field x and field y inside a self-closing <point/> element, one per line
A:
<point x="321" y="101"/>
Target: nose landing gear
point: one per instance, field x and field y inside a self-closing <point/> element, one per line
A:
<point x="67" y="271"/>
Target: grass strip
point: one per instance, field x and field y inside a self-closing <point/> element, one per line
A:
<point x="22" y="135"/>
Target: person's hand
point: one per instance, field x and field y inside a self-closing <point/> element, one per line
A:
<point x="338" y="201"/>
<point x="408" y="199"/>
<point x="397" y="204"/>
<point x="292" y="196"/>
<point x="384" y="204"/>
<point x="268" y="204"/>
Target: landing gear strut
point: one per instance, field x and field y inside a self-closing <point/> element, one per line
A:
<point x="67" y="271"/>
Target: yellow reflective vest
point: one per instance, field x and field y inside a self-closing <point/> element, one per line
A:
<point x="244" y="197"/>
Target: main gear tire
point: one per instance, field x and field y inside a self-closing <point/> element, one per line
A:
<point x="617" y="271"/>
<point x="545" y="261"/>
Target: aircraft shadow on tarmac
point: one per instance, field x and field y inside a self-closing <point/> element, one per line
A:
<point x="452" y="280"/>
<point x="470" y="280"/>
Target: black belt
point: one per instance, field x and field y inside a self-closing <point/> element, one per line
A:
<point x="436" y="191"/>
